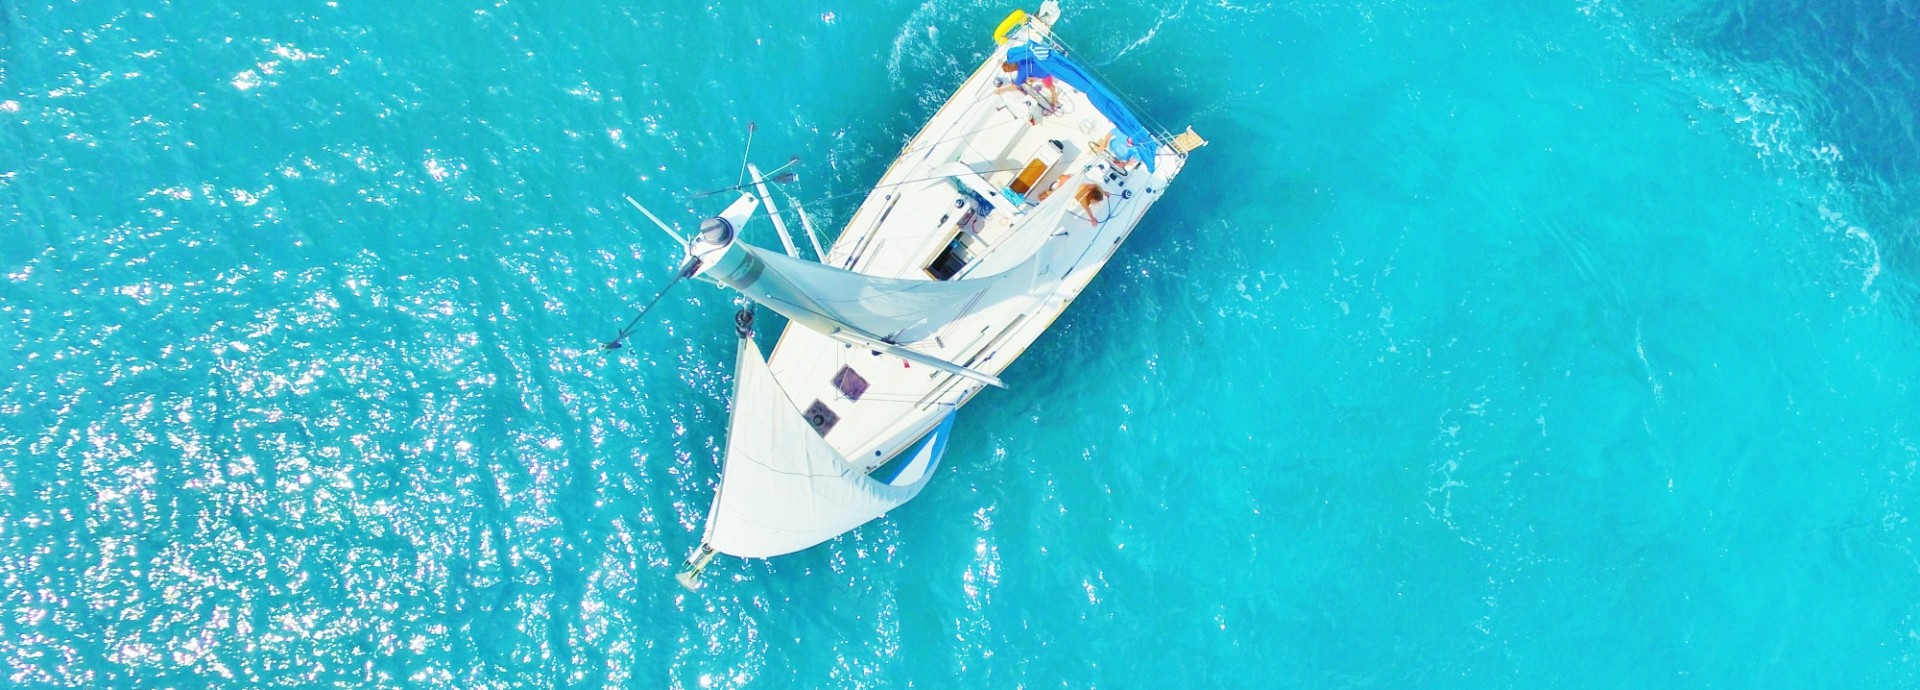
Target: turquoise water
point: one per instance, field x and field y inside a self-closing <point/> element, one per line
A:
<point x="1562" y="344"/>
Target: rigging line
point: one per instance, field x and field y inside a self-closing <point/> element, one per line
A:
<point x="931" y="144"/>
<point x="744" y="154"/>
<point x="1076" y="160"/>
<point x="876" y="397"/>
<point x="983" y="96"/>
<point x="1129" y="100"/>
<point x="615" y="343"/>
<point x="775" y="176"/>
<point x="719" y="491"/>
<point x="971" y="303"/>
<point x="1054" y="37"/>
<point x="844" y="195"/>
<point x="904" y="153"/>
<point x="1050" y="36"/>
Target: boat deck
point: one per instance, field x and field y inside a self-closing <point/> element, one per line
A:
<point x="985" y="187"/>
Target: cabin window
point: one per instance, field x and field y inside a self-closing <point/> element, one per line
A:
<point x="850" y="383"/>
<point x="957" y="254"/>
<point x="821" y="417"/>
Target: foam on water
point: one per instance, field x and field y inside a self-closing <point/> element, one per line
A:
<point x="1488" y="345"/>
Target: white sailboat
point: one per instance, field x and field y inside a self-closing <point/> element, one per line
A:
<point x="992" y="220"/>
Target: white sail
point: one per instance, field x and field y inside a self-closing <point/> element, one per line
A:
<point x="1013" y="262"/>
<point x="784" y="488"/>
<point x="891" y="309"/>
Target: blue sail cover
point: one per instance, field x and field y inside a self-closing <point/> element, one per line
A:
<point x="1132" y="139"/>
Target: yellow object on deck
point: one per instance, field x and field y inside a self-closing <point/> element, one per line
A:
<point x="1028" y="176"/>
<point x="1013" y="21"/>
<point x="1186" y="142"/>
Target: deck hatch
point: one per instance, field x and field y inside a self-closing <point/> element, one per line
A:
<point x="850" y="383"/>
<point x="957" y="254"/>
<point x="821" y="417"/>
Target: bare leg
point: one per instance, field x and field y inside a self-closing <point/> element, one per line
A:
<point x="1056" y="185"/>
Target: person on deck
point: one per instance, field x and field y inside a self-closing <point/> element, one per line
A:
<point x="1124" y="154"/>
<point x="1089" y="195"/>
<point x="1020" y="74"/>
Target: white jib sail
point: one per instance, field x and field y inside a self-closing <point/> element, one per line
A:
<point x="784" y="488"/>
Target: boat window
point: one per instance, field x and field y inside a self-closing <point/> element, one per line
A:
<point x="850" y="383"/>
<point x="957" y="254"/>
<point x="821" y="417"/>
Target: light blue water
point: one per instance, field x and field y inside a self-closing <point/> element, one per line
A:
<point x="1562" y="344"/>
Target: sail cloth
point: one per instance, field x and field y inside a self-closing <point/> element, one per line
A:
<point x="1039" y="60"/>
<point x="896" y="310"/>
<point x="784" y="488"/>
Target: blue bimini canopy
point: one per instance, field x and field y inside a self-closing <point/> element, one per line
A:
<point x="1131" y="136"/>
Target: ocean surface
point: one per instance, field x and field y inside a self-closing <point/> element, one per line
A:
<point x="1562" y="344"/>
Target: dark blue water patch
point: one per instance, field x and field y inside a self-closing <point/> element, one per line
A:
<point x="1848" y="71"/>
<point x="1858" y="62"/>
<point x="6" y="41"/>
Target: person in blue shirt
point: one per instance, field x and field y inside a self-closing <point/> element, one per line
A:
<point x="1021" y="74"/>
<point x="1119" y="147"/>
